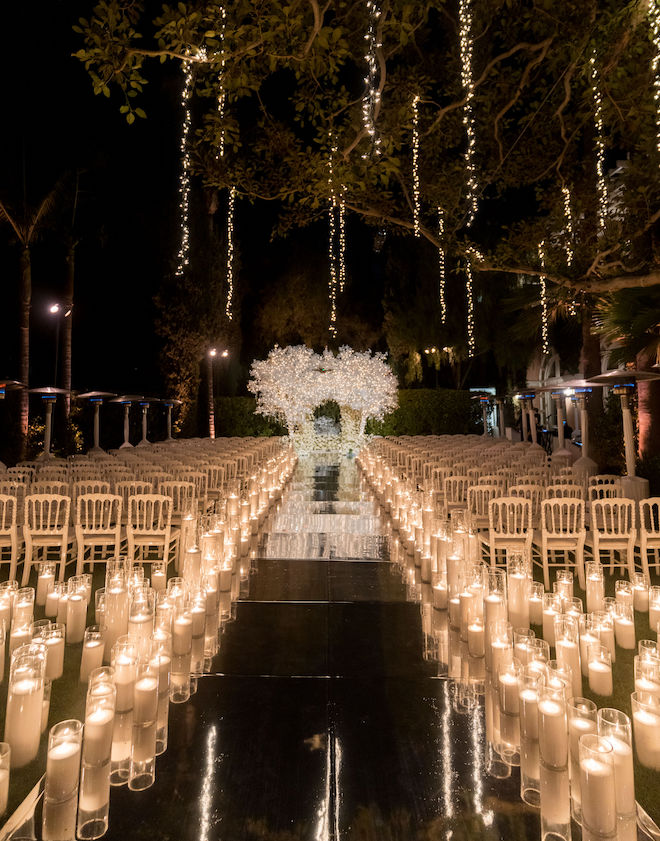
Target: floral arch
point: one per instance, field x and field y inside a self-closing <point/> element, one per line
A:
<point x="293" y="381"/>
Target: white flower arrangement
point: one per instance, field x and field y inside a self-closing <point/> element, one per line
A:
<point x="293" y="381"/>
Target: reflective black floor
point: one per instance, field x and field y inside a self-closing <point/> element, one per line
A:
<point x="323" y="720"/>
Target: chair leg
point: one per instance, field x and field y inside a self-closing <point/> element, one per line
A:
<point x="579" y="563"/>
<point x="81" y="557"/>
<point x="630" y="558"/>
<point x="13" y="561"/>
<point x="27" y="562"/>
<point x="546" y="569"/>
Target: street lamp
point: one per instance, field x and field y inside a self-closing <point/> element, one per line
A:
<point x="57" y="310"/>
<point x="210" y="356"/>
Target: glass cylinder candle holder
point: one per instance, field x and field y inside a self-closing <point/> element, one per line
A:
<point x="45" y="581"/>
<point x="53" y="637"/>
<point x="135" y="576"/>
<point x="21" y="634"/>
<point x="197" y="607"/>
<point x="181" y="656"/>
<point x="624" y="626"/>
<point x="53" y="600"/>
<point x="595" y="586"/>
<point x="92" y="651"/>
<point x="573" y="606"/>
<point x="61" y="783"/>
<point x="518" y="587"/>
<point x="568" y="649"/>
<point x="23" y="609"/>
<point x="439" y="584"/>
<point x="159" y="575"/>
<point x="654" y="607"/>
<point x="564" y="583"/>
<point x="588" y="633"/>
<point x="536" y="603"/>
<point x="177" y="590"/>
<point x="141" y="612"/>
<point x="87" y="580"/>
<point x="552" y="606"/>
<point x="3" y="646"/>
<point x="648" y="648"/>
<point x="5" y="764"/>
<point x="623" y="592"/>
<point x="646" y="672"/>
<point x="501" y="644"/>
<point x="538" y="655"/>
<point x="530" y="783"/>
<point x="475" y="637"/>
<point x="600" y="669"/>
<point x="116" y="610"/>
<point x="145" y="712"/>
<point x="553" y="762"/>
<point x="495" y="603"/>
<point x="509" y="677"/>
<point x="582" y="719"/>
<point x="616" y="727"/>
<point x="124" y="662"/>
<point x="164" y="611"/>
<point x="640" y="588"/>
<point x="6" y="604"/>
<point x="99" y="606"/>
<point x="559" y="674"/>
<point x="646" y="729"/>
<point x="161" y="648"/>
<point x="45" y="704"/>
<point x="94" y="797"/>
<point x="598" y="787"/>
<point x="605" y="624"/>
<point x="522" y="638"/>
<point x="76" y="612"/>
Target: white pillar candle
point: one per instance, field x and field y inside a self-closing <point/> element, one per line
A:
<point x="586" y="639"/>
<point x="61" y="608"/>
<point x="568" y="653"/>
<point x="549" y="614"/>
<point x="654" y="615"/>
<point x="624" y="775"/>
<point x="476" y="638"/>
<point x="92" y="658"/>
<point x="600" y="677"/>
<point x="158" y="579"/>
<point x="76" y="618"/>
<point x="606" y="636"/>
<point x="145" y="705"/>
<point x="595" y="593"/>
<point x="52" y="600"/>
<point x="140" y="626"/>
<point x="45" y="583"/>
<point x="598" y="797"/>
<point x="553" y="733"/>
<point x="536" y="609"/>
<point x="20" y="635"/>
<point x="182" y="635"/>
<point x="54" y="656"/>
<point x="124" y="682"/>
<point x="440" y="596"/>
<point x="23" y="720"/>
<point x="647" y="737"/>
<point x="624" y="630"/>
<point x="500" y="650"/>
<point x="518" y="599"/>
<point x="4" y="789"/>
<point x="63" y="770"/>
<point x="98" y="735"/>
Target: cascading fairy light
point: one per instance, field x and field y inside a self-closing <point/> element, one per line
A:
<point x="544" y="301"/>
<point x="469" y="296"/>
<point x="222" y="93"/>
<point x="371" y="98"/>
<point x="441" y="266"/>
<point x="568" y="248"/>
<point x="342" y="238"/>
<point x="332" y="244"/>
<point x="465" y="20"/>
<point x="415" y="166"/>
<point x="601" y="184"/>
<point x="184" y="178"/>
<point x="654" y="19"/>
<point x="231" y="203"/>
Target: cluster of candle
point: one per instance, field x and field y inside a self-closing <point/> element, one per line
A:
<point x="477" y="621"/>
<point x="152" y="639"/>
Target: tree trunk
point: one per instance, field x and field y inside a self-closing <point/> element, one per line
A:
<point x="648" y="409"/>
<point x="590" y="351"/>
<point x="24" y="327"/>
<point x="68" y="327"/>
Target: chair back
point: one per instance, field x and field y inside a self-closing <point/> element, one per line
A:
<point x="510" y="515"/>
<point x="562" y="517"/>
<point x="649" y="516"/>
<point x="98" y="512"/>
<point x="182" y="495"/>
<point x="149" y="513"/>
<point x="8" y="510"/>
<point x="47" y="486"/>
<point x="613" y="517"/>
<point x="47" y="513"/>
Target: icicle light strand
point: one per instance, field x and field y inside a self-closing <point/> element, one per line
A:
<point x="184" y="178"/>
<point x="465" y="18"/>
<point x="469" y="297"/>
<point x="415" y="167"/>
<point x="568" y="217"/>
<point x="332" y="245"/>
<point x="222" y="93"/>
<point x="371" y="98"/>
<point x="601" y="184"/>
<point x="231" y="202"/>
<point x="544" y="302"/>
<point x="654" y="18"/>
<point x="441" y="266"/>
<point x="342" y="238"/>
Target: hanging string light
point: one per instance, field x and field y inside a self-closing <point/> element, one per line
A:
<point x="332" y="244"/>
<point x="184" y="177"/>
<point x="469" y="297"/>
<point x="371" y="98"/>
<point x="441" y="266"/>
<point x="231" y="202"/>
<point x="568" y="221"/>
<point x="415" y="166"/>
<point x="222" y="93"/>
<point x="544" y="302"/>
<point x="654" y="18"/>
<point x="342" y="238"/>
<point x="465" y="20"/>
<point x="601" y="184"/>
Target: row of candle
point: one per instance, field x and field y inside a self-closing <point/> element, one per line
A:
<point x="157" y="641"/>
<point x="479" y="601"/>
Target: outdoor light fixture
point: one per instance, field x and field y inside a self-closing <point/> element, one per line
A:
<point x="53" y="309"/>
<point x="213" y="352"/>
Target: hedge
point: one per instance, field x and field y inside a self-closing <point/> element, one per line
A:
<point x="235" y="416"/>
<point x="427" y="411"/>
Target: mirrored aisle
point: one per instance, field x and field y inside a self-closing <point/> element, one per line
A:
<point x="330" y="714"/>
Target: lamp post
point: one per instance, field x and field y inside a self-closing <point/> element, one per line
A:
<point x="59" y="312"/>
<point x="210" y="356"/>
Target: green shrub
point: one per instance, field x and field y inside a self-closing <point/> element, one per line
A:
<point x="425" y="411"/>
<point x="235" y="416"/>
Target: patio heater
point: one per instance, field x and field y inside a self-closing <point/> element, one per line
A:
<point x="126" y="400"/>
<point x="96" y="398"/>
<point x="49" y="395"/>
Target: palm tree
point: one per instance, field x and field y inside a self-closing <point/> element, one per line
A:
<point x="27" y="224"/>
<point x="630" y="321"/>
